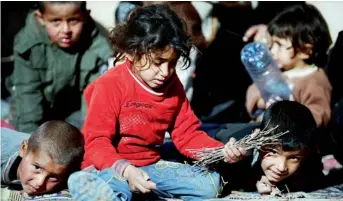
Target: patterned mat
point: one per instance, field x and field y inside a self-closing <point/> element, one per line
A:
<point x="331" y="193"/>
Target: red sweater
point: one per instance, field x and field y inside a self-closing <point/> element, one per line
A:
<point x="127" y="120"/>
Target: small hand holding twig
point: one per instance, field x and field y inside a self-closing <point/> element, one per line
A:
<point x="265" y="187"/>
<point x="232" y="153"/>
<point x="234" y="150"/>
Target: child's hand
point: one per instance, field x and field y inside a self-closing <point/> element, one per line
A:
<point x="272" y="100"/>
<point x="232" y="153"/>
<point x="258" y="33"/>
<point x="262" y="105"/>
<point x="138" y="180"/>
<point x="264" y="186"/>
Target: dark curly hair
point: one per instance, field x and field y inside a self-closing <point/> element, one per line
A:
<point x="148" y="30"/>
<point x="303" y="24"/>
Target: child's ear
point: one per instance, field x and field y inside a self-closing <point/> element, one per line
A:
<point x="23" y="148"/>
<point x="39" y="17"/>
<point x="306" y="52"/>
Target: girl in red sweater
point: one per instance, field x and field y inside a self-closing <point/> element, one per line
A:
<point x="132" y="106"/>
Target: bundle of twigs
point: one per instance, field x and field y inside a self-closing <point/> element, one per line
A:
<point x="258" y="139"/>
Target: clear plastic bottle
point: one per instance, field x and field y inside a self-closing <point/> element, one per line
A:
<point x="264" y="72"/>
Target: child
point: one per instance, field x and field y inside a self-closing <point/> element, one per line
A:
<point x="271" y="167"/>
<point x="41" y="162"/>
<point x="131" y="107"/>
<point x="56" y="54"/>
<point x="300" y="38"/>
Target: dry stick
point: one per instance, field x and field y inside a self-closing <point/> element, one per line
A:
<point x="208" y="156"/>
<point x="288" y="192"/>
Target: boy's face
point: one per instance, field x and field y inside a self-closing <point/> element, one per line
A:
<point x="63" y="22"/>
<point x="38" y="173"/>
<point x="284" y="54"/>
<point x="277" y="164"/>
<point x="157" y="72"/>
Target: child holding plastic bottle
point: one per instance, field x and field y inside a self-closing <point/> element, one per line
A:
<point x="298" y="38"/>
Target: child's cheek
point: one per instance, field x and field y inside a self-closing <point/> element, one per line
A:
<point x="266" y="161"/>
<point x="52" y="33"/>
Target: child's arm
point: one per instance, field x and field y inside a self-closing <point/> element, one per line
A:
<point x="186" y="133"/>
<point x="253" y="96"/>
<point x="100" y="126"/>
<point x="27" y="93"/>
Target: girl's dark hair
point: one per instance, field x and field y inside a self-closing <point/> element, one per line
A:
<point x="150" y="29"/>
<point x="303" y="24"/>
<point x="293" y="117"/>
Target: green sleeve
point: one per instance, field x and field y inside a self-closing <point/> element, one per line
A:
<point x="27" y="94"/>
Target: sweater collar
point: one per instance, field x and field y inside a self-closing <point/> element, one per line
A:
<point x="143" y="85"/>
<point x="300" y="72"/>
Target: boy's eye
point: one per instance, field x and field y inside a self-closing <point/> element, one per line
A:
<point x="36" y="167"/>
<point x="55" y="21"/>
<point x="273" y="152"/>
<point x="73" y="21"/>
<point x="295" y="158"/>
<point x="158" y="63"/>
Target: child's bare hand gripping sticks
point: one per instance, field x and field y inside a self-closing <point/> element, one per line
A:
<point x="233" y="153"/>
<point x="264" y="186"/>
<point x="139" y="181"/>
